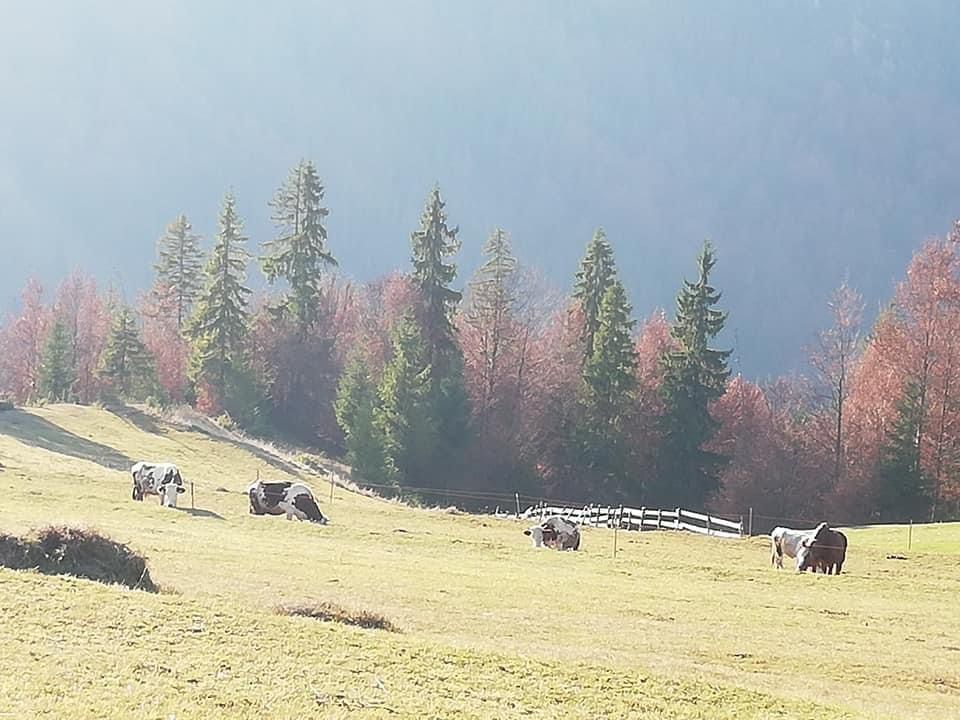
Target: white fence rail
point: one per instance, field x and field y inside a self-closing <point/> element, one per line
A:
<point x="640" y="519"/>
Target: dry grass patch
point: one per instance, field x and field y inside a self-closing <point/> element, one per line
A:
<point x="60" y="550"/>
<point x="331" y="612"/>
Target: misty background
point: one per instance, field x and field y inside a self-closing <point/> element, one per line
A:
<point x="811" y="141"/>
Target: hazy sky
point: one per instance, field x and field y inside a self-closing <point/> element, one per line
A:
<point x="808" y="140"/>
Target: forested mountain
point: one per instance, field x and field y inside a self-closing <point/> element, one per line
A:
<point x="809" y="141"/>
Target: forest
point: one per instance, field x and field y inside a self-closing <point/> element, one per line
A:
<point x="508" y="387"/>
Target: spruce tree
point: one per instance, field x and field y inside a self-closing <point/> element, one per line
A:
<point x="694" y="376"/>
<point x="219" y="326"/>
<point x="609" y="369"/>
<point x="903" y="487"/>
<point x="404" y="413"/>
<point x="597" y="272"/>
<point x="127" y="365"/>
<point x="180" y="266"/>
<point x="57" y="371"/>
<point x="300" y="254"/>
<point x="433" y="244"/>
<point x="354" y="408"/>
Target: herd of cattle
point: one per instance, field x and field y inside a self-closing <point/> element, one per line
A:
<point x="820" y="550"/>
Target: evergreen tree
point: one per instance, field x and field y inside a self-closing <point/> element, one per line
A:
<point x="127" y="365"/>
<point x="609" y="369"/>
<point x="432" y="244"/>
<point x="597" y="272"/>
<point x="404" y="413"/>
<point x="180" y="266"/>
<point x="57" y="371"/>
<point x="354" y="408"/>
<point x="903" y="487"/>
<point x="300" y="254"/>
<point x="694" y="375"/>
<point x="219" y="326"/>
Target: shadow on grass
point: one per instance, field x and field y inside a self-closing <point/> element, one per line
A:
<point x="40" y="433"/>
<point x="137" y="418"/>
<point x="200" y="512"/>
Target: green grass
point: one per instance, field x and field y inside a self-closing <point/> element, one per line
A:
<point x="677" y="626"/>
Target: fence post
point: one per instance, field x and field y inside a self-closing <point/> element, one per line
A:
<point x="910" y="535"/>
<point x="616" y="529"/>
<point x="678" y="519"/>
<point x="192" y="507"/>
<point x="659" y="518"/>
<point x="331" y="487"/>
<point x="708" y="526"/>
<point x="741" y="526"/>
<point x="516" y="496"/>
<point x="750" y="526"/>
<point x="643" y="514"/>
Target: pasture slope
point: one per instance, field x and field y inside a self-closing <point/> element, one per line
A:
<point x="677" y="626"/>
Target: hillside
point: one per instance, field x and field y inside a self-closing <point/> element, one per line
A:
<point x="677" y="626"/>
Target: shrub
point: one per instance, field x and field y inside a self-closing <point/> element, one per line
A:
<point x="329" y="612"/>
<point x="58" y="550"/>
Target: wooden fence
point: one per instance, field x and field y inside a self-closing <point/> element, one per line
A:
<point x="640" y="519"/>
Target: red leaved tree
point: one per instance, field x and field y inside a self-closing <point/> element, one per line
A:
<point x="21" y="345"/>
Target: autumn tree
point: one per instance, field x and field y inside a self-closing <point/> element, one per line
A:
<point x="163" y="339"/>
<point x="86" y="315"/>
<point x="299" y="254"/>
<point x="834" y="359"/>
<point x="219" y="326"/>
<point x="179" y="267"/>
<point x="21" y="345"/>
<point x="127" y="367"/>
<point x="57" y="371"/>
<point x="695" y="375"/>
<point x="596" y="273"/>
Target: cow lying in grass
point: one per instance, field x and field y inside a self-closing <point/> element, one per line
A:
<point x="555" y="532"/>
<point x="161" y="479"/>
<point x="295" y="500"/>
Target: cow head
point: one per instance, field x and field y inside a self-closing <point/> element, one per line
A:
<point x="806" y="554"/>
<point x="536" y="535"/>
<point x="170" y="486"/>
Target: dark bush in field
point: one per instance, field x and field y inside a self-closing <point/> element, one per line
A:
<point x="334" y="613"/>
<point x="75" y="551"/>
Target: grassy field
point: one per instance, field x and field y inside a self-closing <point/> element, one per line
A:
<point x="677" y="626"/>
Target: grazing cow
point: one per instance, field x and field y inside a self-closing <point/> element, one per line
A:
<point x="295" y="500"/>
<point x="555" y="532"/>
<point x="161" y="479"/>
<point x="824" y="551"/>
<point x="786" y="541"/>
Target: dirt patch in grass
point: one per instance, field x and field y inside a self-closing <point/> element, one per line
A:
<point x="330" y="612"/>
<point x="59" y="550"/>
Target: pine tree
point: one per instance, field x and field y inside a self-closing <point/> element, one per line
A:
<point x="57" y="371"/>
<point x="597" y="272"/>
<point x="609" y="371"/>
<point x="432" y="244"/>
<point x="180" y="266"/>
<point x="219" y="326"/>
<point x="127" y="365"/>
<point x="903" y="487"/>
<point x="354" y="408"/>
<point x="300" y="254"/>
<point x="404" y="413"/>
<point x="492" y="300"/>
<point x="694" y="376"/>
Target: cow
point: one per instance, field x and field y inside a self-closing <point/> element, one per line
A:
<point x="295" y="500"/>
<point x="162" y="479"/>
<point x="555" y="532"/>
<point x="787" y="541"/>
<point x="824" y="551"/>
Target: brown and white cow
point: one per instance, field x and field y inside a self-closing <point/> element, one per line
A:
<point x="555" y="532"/>
<point x="825" y="551"/>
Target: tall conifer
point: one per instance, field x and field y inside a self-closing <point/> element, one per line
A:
<point x="180" y="266"/>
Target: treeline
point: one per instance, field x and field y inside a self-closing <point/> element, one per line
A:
<point x="511" y="387"/>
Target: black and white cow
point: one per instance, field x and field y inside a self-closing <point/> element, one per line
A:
<point x="295" y="500"/>
<point x="555" y="532"/>
<point x="162" y="479"/>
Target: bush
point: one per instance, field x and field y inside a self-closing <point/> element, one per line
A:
<point x="226" y="422"/>
<point x="329" y="612"/>
<point x="57" y="550"/>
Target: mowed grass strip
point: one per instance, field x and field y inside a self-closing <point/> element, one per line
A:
<point x="879" y="641"/>
<point x="76" y="649"/>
